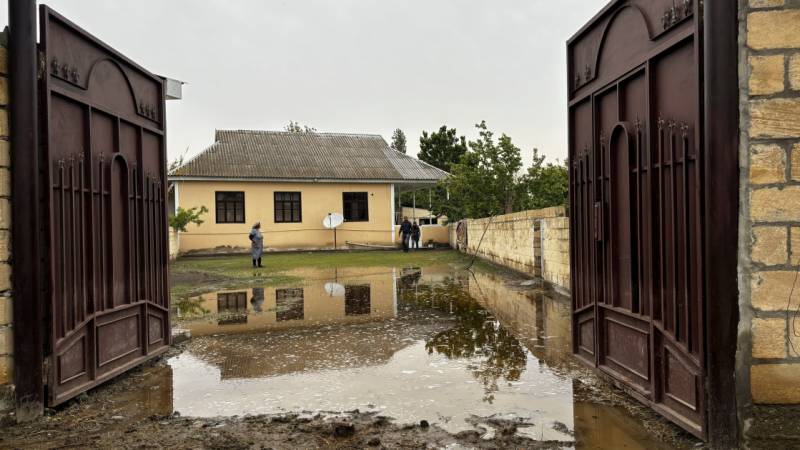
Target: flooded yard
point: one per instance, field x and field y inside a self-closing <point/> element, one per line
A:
<point x="447" y="356"/>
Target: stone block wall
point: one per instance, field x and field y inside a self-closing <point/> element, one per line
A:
<point x="769" y="331"/>
<point x="555" y="254"/>
<point x="532" y="242"/>
<point x="6" y="314"/>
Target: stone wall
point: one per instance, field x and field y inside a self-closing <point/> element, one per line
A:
<point x="532" y="242"/>
<point x="6" y="317"/>
<point x="555" y="251"/>
<point x="769" y="332"/>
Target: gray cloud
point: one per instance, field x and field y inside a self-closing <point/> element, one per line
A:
<point x="351" y="65"/>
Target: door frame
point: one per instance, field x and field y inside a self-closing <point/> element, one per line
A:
<point x="27" y="280"/>
<point x="720" y="29"/>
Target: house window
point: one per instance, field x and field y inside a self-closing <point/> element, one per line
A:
<point x="288" y="207"/>
<point x="355" y="207"/>
<point x="289" y="304"/>
<point x="232" y="308"/>
<point x="232" y="302"/>
<point x="429" y="221"/>
<point x="230" y="207"/>
<point x="357" y="300"/>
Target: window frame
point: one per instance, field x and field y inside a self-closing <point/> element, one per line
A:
<point x="283" y="203"/>
<point x="357" y="299"/>
<point x="345" y="204"/>
<point x="225" y="203"/>
<point x="296" y="298"/>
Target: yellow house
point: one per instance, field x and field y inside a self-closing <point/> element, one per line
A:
<point x="290" y="182"/>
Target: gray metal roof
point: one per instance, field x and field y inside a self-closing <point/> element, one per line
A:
<point x="280" y="155"/>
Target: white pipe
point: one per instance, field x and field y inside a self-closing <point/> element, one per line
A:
<point x="394" y="214"/>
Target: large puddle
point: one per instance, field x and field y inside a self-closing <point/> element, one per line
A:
<point x="459" y="349"/>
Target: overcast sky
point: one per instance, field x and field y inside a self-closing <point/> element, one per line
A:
<point x="361" y="66"/>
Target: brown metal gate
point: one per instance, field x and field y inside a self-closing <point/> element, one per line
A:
<point x="636" y="190"/>
<point x="103" y="162"/>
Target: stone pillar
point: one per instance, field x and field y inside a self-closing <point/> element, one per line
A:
<point x="769" y="342"/>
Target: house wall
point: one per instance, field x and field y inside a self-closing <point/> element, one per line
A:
<point x="768" y="357"/>
<point x="6" y="316"/>
<point x="318" y="199"/>
<point x="439" y="234"/>
<point x="533" y="242"/>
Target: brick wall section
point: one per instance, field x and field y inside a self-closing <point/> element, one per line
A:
<point x="6" y="316"/>
<point x="532" y="242"/>
<point x="771" y="211"/>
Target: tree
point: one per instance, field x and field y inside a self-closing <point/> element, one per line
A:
<point x="486" y="180"/>
<point x="442" y="148"/>
<point x="295" y="127"/>
<point x="399" y="141"/>
<point x="546" y="185"/>
<point x="174" y="165"/>
<point x="184" y="217"/>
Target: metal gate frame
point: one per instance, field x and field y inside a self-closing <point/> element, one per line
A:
<point x="719" y="121"/>
<point x="141" y="206"/>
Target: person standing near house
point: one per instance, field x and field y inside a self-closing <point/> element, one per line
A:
<point x="256" y="244"/>
<point x="405" y="233"/>
<point x="415" y="233"/>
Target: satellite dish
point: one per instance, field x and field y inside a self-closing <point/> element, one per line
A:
<point x="332" y="220"/>
<point x="334" y="289"/>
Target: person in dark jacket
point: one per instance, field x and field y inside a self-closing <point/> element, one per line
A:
<point x="405" y="233"/>
<point x="415" y="234"/>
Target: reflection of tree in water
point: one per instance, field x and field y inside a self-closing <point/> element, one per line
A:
<point x="189" y="307"/>
<point x="475" y="335"/>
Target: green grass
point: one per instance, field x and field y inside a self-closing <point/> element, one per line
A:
<point x="194" y="276"/>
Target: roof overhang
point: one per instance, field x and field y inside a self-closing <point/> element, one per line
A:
<point x="405" y="184"/>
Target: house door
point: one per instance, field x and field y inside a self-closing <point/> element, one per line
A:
<point x="103" y="161"/>
<point x="635" y="148"/>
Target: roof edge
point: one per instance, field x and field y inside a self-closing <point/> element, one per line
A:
<point x="301" y="180"/>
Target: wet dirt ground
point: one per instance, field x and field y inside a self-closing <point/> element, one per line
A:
<point x="405" y="357"/>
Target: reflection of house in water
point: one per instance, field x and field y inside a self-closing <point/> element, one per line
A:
<point x="409" y="277"/>
<point x="289" y="304"/>
<point x="368" y="295"/>
<point x="231" y="307"/>
<point x="357" y="299"/>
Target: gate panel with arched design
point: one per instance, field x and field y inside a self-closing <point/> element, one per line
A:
<point x="103" y="159"/>
<point x="636" y="195"/>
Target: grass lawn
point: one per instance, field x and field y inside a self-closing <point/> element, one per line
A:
<point x="193" y="276"/>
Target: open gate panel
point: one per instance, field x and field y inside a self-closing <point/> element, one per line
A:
<point x="636" y="202"/>
<point x="103" y="161"/>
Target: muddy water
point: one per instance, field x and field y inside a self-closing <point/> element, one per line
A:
<point x="466" y="351"/>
